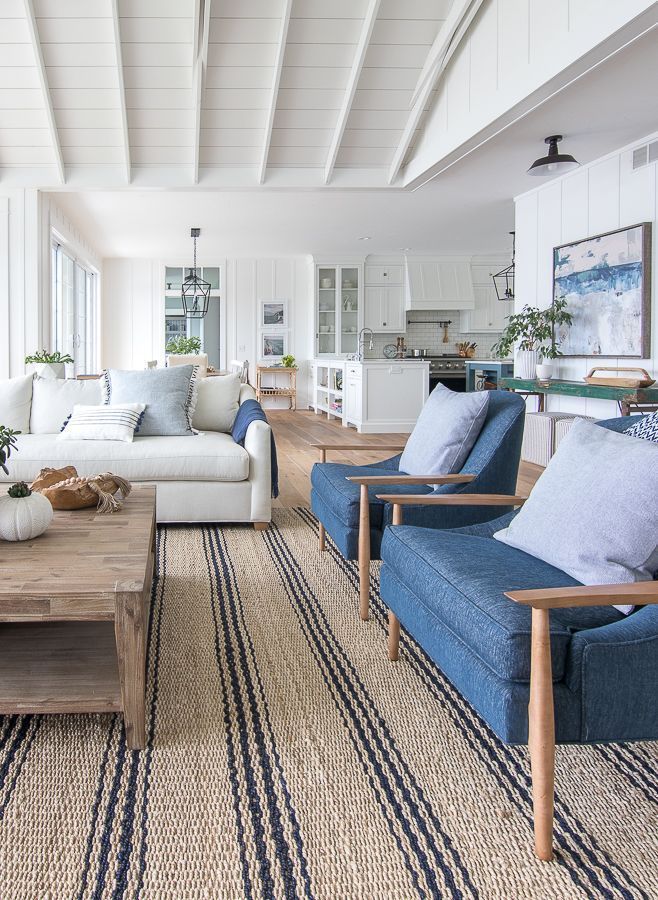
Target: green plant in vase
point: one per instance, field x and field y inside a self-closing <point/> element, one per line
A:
<point x="288" y="361"/>
<point x="48" y="365"/>
<point x="7" y="444"/>
<point x="183" y="345"/>
<point x="533" y="330"/>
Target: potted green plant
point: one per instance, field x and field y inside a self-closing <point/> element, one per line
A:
<point x="7" y="444"/>
<point x="23" y="514"/>
<point x="48" y="365"/>
<point x="288" y="361"/>
<point x="533" y="330"/>
<point x="183" y="345"/>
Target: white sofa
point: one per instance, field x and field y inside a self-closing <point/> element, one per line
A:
<point x="200" y="478"/>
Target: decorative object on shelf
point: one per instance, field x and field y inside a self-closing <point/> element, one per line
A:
<point x="390" y="351"/>
<point x="348" y="304"/>
<point x="641" y="379"/>
<point x="504" y="280"/>
<point x="326" y="283"/>
<point x="401" y="347"/>
<point x="195" y="293"/>
<point x="7" y="444"/>
<point x="273" y="313"/>
<point x="338" y="380"/>
<point x="274" y="345"/>
<point x="288" y="361"/>
<point x="348" y="284"/>
<point x="606" y="282"/>
<point x="169" y="285"/>
<point x="554" y="163"/>
<point x="24" y="515"/>
<point x="48" y="365"/>
<point x="544" y="370"/>
<point x="64" y="489"/>
<point x="536" y="332"/>
<point x="183" y="345"/>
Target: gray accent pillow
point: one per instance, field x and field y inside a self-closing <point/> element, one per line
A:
<point x="169" y="395"/>
<point x="445" y="432"/>
<point x="594" y="511"/>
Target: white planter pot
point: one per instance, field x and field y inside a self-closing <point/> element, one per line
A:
<point x="526" y="363"/>
<point x="47" y="370"/>
<point x="545" y="370"/>
<point x="24" y="518"/>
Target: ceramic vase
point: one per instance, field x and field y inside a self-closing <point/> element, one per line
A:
<point x="526" y="364"/>
<point x="24" y="518"/>
<point x="545" y="370"/>
<point x="47" y="370"/>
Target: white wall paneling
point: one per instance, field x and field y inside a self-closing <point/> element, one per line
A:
<point x="4" y="287"/>
<point x="600" y="197"/>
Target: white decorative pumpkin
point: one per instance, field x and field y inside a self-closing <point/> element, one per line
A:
<point x="24" y="518"/>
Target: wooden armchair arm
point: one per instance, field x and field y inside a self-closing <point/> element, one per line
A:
<point x="371" y="448"/>
<point x="400" y="500"/>
<point x="638" y="592"/>
<point x="410" y="479"/>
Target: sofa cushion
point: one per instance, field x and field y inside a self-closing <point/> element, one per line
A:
<point x="217" y="403"/>
<point x="102" y="423"/>
<point x="206" y="457"/>
<point x="15" y="399"/>
<point x="53" y="400"/>
<point x="460" y="580"/>
<point x="169" y="395"/>
<point x="446" y="430"/>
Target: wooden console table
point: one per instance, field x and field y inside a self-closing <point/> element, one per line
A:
<point x="74" y="607"/>
<point x="630" y="400"/>
<point x="288" y="390"/>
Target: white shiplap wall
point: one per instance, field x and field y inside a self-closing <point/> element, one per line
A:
<point x="599" y="197"/>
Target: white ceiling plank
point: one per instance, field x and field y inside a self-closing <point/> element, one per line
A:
<point x="350" y="91"/>
<point x="276" y="81"/>
<point x="447" y="40"/>
<point x="122" y="90"/>
<point x="45" y="90"/>
<point x="200" y="62"/>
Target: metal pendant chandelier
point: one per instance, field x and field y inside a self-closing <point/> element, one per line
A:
<point x="196" y="292"/>
<point x="504" y="280"/>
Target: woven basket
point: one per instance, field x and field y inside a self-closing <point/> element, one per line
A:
<point x="66" y="490"/>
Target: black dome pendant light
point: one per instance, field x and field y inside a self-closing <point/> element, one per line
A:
<point x="195" y="293"/>
<point x="555" y="163"/>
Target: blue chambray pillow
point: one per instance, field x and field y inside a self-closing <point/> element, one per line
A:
<point x="169" y="396"/>
<point x="445" y="432"/>
<point x="645" y="428"/>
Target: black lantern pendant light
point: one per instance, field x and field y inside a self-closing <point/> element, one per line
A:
<point x="504" y="280"/>
<point x="196" y="291"/>
<point x="555" y="163"/>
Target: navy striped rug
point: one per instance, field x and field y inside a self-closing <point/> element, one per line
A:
<point x="288" y="758"/>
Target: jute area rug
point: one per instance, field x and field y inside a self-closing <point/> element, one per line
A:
<point x="288" y="758"/>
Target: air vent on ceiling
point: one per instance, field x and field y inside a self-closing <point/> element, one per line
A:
<point x="645" y="155"/>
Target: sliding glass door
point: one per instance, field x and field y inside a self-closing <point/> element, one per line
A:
<point x="74" y="305"/>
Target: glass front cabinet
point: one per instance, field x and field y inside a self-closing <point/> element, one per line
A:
<point x="338" y="309"/>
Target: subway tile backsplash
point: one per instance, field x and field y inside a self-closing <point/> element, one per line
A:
<point x="421" y="335"/>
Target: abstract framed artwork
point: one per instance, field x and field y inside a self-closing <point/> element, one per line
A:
<point x="606" y="281"/>
<point x="273" y="313"/>
<point x="274" y="345"/>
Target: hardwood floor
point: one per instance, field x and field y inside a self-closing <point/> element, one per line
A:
<point x="296" y="430"/>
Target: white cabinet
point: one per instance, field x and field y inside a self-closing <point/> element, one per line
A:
<point x="353" y="400"/>
<point x="384" y="309"/>
<point x="338" y="309"/>
<point x="490" y="313"/>
<point x="385" y="274"/>
<point x="382" y="397"/>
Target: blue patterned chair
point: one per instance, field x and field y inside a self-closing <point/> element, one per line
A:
<point x="588" y="674"/>
<point x="344" y="497"/>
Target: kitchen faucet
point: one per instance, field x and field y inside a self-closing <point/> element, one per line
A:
<point x="362" y="342"/>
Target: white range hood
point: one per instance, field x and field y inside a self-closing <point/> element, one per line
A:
<point x="438" y="283"/>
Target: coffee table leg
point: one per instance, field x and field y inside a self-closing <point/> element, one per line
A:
<point x="130" y="631"/>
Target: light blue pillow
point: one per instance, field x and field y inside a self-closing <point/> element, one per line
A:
<point x="169" y="395"/>
<point x="445" y="432"/>
<point x="594" y="511"/>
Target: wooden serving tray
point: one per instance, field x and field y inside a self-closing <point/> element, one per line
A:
<point x="642" y="379"/>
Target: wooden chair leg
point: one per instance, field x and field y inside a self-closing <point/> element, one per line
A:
<point x="364" y="554"/>
<point x="261" y="526"/>
<point x="541" y="733"/>
<point x="321" y="537"/>
<point x="393" y="637"/>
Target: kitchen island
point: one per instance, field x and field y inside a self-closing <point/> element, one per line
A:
<point x="375" y="396"/>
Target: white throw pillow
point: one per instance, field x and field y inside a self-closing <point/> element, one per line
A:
<point x="594" y="511"/>
<point x="53" y="401"/>
<point x="103" y="423"/>
<point x="447" y="428"/>
<point x="217" y="403"/>
<point x="15" y="401"/>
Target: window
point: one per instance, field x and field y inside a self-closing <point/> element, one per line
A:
<point x="74" y="305"/>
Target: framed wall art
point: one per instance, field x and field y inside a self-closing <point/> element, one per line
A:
<point x="274" y="345"/>
<point x="606" y="281"/>
<point x="273" y="313"/>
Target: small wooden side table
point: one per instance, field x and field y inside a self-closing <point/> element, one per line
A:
<point x="288" y="390"/>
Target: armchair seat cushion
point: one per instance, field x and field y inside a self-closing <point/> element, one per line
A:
<point x="460" y="578"/>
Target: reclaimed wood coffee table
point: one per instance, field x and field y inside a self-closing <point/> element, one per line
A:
<point x="74" y="607"/>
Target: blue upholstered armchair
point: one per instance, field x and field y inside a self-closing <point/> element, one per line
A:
<point x="344" y="497"/>
<point x="560" y="663"/>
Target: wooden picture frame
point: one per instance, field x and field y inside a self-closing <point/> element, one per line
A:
<point x="610" y="299"/>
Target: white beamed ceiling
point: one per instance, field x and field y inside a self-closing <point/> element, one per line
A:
<point x="156" y="54"/>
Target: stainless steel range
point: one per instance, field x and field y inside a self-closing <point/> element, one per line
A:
<point x="449" y="370"/>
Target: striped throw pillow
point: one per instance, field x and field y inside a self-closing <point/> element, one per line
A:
<point x="103" y="423"/>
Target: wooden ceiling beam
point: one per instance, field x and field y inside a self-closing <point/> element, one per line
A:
<point x="199" y="64"/>
<point x="122" y="89"/>
<point x="350" y="90"/>
<point x="276" y="81"/>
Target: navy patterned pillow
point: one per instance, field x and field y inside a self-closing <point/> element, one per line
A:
<point x="646" y="428"/>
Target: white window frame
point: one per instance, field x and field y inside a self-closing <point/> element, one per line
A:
<point x="65" y="336"/>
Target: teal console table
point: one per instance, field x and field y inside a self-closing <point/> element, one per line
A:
<point x="630" y="400"/>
